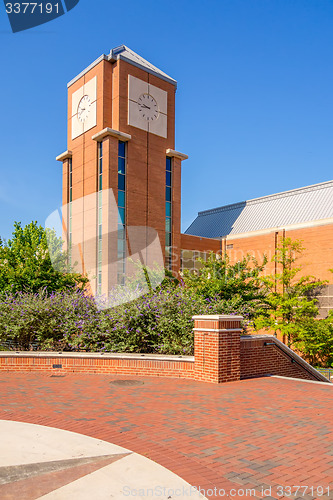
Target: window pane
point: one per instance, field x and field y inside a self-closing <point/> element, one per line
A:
<point x="121" y="266"/>
<point x="70" y="194"/>
<point x="121" y="245"/>
<point x="168" y="239"/>
<point x="100" y="149"/>
<point x="168" y="178"/>
<point x="100" y="231"/>
<point x="121" y="182"/>
<point x="168" y="209"/>
<point x="121" y="149"/>
<point x="121" y="166"/>
<point x="100" y="198"/>
<point x="121" y="215"/>
<point x="121" y="229"/>
<point x="121" y="198"/>
<point x="168" y="194"/>
<point x="100" y="184"/>
<point x="168" y="225"/>
<point x="168" y="164"/>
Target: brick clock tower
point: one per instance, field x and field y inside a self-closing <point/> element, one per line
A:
<point x="121" y="173"/>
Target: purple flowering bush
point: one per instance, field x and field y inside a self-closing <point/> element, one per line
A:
<point x="159" y="322"/>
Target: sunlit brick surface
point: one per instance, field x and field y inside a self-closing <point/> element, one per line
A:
<point x="250" y="434"/>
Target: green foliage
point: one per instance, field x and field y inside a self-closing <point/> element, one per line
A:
<point x="239" y="283"/>
<point x="25" y="262"/>
<point x="155" y="323"/>
<point x="315" y="341"/>
<point x="289" y="299"/>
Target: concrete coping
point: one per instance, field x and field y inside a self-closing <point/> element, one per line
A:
<point x="113" y="133"/>
<point x="64" y="156"/>
<point x="214" y="317"/>
<point x="176" y="154"/>
<point x="96" y="355"/>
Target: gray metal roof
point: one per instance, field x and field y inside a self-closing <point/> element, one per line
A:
<point x="128" y="55"/>
<point x="125" y="53"/>
<point x="301" y="205"/>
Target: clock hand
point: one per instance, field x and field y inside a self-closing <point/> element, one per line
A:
<point x="144" y="106"/>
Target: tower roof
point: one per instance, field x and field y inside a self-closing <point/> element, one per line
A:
<point x="126" y="54"/>
<point x="310" y="203"/>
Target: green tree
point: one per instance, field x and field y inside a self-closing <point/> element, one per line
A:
<point x="315" y="341"/>
<point x="26" y="265"/>
<point x="239" y="283"/>
<point x="291" y="298"/>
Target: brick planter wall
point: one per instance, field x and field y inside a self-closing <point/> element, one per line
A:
<point x="221" y="355"/>
<point x="123" y="364"/>
<point x="265" y="355"/>
<point x="216" y="348"/>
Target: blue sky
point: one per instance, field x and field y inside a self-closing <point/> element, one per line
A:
<point x="254" y="100"/>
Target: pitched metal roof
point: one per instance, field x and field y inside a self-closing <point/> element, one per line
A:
<point x="128" y="55"/>
<point x="125" y="53"/>
<point x="301" y="205"/>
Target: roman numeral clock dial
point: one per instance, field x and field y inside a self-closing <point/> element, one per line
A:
<point x="148" y="108"/>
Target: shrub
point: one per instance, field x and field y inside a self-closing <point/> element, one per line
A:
<point x="70" y="320"/>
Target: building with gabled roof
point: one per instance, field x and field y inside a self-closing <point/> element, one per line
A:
<point x="122" y="186"/>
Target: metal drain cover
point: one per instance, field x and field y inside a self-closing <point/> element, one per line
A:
<point x="127" y="382"/>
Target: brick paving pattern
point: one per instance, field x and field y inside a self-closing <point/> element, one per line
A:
<point x="257" y="433"/>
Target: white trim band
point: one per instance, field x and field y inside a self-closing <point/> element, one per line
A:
<point x="113" y="133"/>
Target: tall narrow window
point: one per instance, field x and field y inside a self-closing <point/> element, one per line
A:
<point x="70" y="199"/>
<point x="99" y="217"/>
<point x="168" y="213"/>
<point x="121" y="270"/>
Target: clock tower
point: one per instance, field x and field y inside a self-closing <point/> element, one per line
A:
<point x="121" y="173"/>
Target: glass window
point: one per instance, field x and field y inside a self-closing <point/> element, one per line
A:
<point x="121" y="182"/>
<point x="168" y="178"/>
<point x="168" y="239"/>
<point x="168" y="193"/>
<point x="168" y="225"/>
<point x="121" y="215"/>
<point x="168" y="163"/>
<point x="168" y="209"/>
<point x="121" y="165"/>
<point x="121" y="198"/>
<point x="100" y="183"/>
<point x="121" y="149"/>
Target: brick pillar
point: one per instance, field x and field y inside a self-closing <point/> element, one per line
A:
<point x="217" y="348"/>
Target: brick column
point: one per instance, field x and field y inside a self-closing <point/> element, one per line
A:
<point x="217" y="348"/>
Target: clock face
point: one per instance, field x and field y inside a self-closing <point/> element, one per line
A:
<point x="83" y="108"/>
<point x="148" y="108"/>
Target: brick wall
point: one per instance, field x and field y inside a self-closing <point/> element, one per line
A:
<point x="316" y="259"/>
<point x="144" y="365"/>
<point x="266" y="355"/>
<point x="221" y="355"/>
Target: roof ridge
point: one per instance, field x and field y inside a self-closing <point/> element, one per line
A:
<point x="262" y="199"/>
<point x="137" y="60"/>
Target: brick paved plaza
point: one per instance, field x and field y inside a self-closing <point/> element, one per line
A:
<point x="251" y="434"/>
